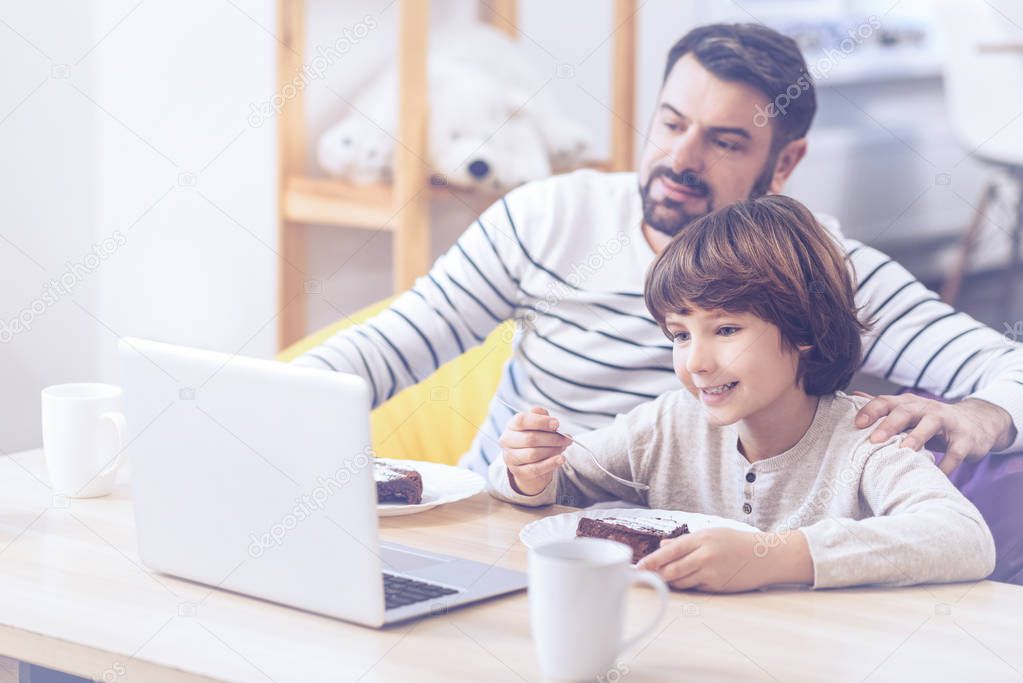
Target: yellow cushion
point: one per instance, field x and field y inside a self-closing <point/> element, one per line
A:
<point x="438" y="418"/>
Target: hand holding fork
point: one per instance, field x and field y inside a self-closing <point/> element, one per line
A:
<point x="533" y="451"/>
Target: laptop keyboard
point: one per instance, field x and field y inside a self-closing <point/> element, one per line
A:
<point x="400" y="591"/>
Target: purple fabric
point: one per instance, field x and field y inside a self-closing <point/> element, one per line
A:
<point x="995" y="485"/>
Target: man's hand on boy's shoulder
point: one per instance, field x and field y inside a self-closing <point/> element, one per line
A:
<point x="967" y="430"/>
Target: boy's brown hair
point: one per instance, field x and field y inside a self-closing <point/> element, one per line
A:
<point x="770" y="257"/>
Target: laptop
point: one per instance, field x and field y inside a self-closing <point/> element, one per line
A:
<point x="256" y="476"/>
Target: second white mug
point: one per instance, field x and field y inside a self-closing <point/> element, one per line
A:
<point x="83" y="437"/>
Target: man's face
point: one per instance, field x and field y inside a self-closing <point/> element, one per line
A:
<point x="703" y="150"/>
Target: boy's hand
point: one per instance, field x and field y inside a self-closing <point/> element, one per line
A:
<point x="532" y="451"/>
<point x="730" y="561"/>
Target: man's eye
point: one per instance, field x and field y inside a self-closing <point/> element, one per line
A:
<point x="673" y="127"/>
<point x="727" y="331"/>
<point x="726" y="145"/>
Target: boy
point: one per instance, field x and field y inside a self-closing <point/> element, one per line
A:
<point x="759" y="305"/>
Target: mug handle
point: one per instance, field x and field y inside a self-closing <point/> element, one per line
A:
<point x="122" y="437"/>
<point x="655" y="581"/>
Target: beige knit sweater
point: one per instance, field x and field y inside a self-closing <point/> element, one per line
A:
<point x="871" y="513"/>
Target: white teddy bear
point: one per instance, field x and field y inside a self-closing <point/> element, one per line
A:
<point x="489" y="126"/>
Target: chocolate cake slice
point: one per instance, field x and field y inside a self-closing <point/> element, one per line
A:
<point x="396" y="484"/>
<point x="643" y="535"/>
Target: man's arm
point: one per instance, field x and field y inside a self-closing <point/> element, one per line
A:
<point x="468" y="291"/>
<point x="922" y="343"/>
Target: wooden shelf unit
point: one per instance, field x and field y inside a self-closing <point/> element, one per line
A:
<point x="400" y="208"/>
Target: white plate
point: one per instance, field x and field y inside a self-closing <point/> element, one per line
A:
<point x="562" y="527"/>
<point x="441" y="484"/>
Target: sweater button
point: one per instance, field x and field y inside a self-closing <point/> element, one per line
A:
<point x="747" y="508"/>
<point x="751" y="477"/>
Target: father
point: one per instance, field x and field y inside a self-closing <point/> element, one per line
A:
<point x="566" y="258"/>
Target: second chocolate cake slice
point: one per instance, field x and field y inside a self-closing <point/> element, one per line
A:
<point x="643" y="535"/>
<point x="396" y="484"/>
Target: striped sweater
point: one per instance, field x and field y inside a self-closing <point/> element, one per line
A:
<point x="566" y="259"/>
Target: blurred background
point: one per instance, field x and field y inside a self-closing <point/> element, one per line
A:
<point x="141" y="161"/>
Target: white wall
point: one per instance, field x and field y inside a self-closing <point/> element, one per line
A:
<point x="145" y="143"/>
<point x="184" y="175"/>
<point x="48" y="187"/>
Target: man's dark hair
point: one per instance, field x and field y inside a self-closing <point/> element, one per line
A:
<point x="762" y="58"/>
<point x="770" y="257"/>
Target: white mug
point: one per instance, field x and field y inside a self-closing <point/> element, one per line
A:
<point x="577" y="592"/>
<point x="84" y="435"/>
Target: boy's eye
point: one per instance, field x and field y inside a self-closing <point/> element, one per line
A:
<point x="727" y="330"/>
<point x="680" y="336"/>
<point x="672" y="126"/>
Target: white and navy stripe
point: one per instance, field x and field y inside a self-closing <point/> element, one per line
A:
<point x="920" y="342"/>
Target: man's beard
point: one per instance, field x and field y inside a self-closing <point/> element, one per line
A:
<point x="669" y="217"/>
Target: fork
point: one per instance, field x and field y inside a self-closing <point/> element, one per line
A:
<point x="633" y="484"/>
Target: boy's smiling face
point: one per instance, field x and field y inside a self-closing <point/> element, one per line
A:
<point x="735" y="363"/>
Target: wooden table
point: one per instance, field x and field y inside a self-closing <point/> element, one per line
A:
<point x="1000" y="48"/>
<point x="74" y="597"/>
